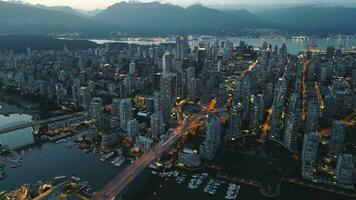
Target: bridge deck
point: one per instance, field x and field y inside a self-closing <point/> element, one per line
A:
<point x="119" y="183"/>
<point x="21" y="125"/>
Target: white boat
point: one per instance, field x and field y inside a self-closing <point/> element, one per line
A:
<point x="75" y="178"/>
<point x="153" y="166"/>
<point x="59" y="177"/>
<point x="115" y="160"/>
<point x="119" y="162"/>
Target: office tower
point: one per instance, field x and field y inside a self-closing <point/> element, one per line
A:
<point x="235" y="121"/>
<point x="85" y="97"/>
<point x="309" y="153"/>
<point x="312" y="120"/>
<point x="324" y="74"/>
<point x="190" y="72"/>
<point x="290" y="133"/>
<point x="283" y="54"/>
<point x="178" y="48"/>
<point x="95" y="108"/>
<point x="75" y="92"/>
<point x="133" y="128"/>
<point x="132" y="67"/>
<point x="260" y="102"/>
<point x="128" y="85"/>
<point x="254" y="111"/>
<point x="237" y="96"/>
<point x="201" y="59"/>
<point x="60" y="93"/>
<point x="157" y="101"/>
<point x="150" y="105"/>
<point x="168" y="95"/>
<point x="264" y="59"/>
<point x="184" y="47"/>
<point x="344" y="169"/>
<point x="353" y="79"/>
<point x="167" y="63"/>
<point x="268" y="93"/>
<point x="157" y="124"/>
<point x="211" y="144"/>
<point x="115" y="107"/>
<point x="125" y="113"/>
<point x="192" y="88"/>
<point x="337" y="138"/>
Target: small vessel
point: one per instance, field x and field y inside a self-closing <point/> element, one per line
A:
<point x="115" y="160"/>
<point x="2" y="175"/>
<point x="59" y="177"/>
<point x="75" y="178"/>
<point x="107" y="156"/>
<point x="120" y="162"/>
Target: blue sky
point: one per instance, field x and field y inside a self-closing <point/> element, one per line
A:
<point x="100" y="4"/>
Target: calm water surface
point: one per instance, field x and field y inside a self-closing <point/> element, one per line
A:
<point x="43" y="160"/>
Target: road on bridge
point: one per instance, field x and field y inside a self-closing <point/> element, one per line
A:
<point x="118" y="184"/>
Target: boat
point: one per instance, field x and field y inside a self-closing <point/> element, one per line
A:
<point x="120" y="162"/>
<point x="115" y="160"/>
<point x="153" y="166"/>
<point x="109" y="155"/>
<point x="75" y="178"/>
<point x="2" y="175"/>
<point x="59" y="177"/>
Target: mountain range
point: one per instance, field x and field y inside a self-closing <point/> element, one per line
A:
<point x="313" y="19"/>
<point x="157" y="18"/>
<point x="164" y="19"/>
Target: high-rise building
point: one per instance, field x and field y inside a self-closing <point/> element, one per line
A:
<point x="290" y="133"/>
<point x="309" y="154"/>
<point x="157" y="124"/>
<point x="95" y="107"/>
<point x="125" y="113"/>
<point x="235" y="121"/>
<point x="312" y="120"/>
<point x="178" y="48"/>
<point x="132" y="67"/>
<point x="167" y="63"/>
<point x="84" y="94"/>
<point x="353" y="79"/>
<point x="133" y="128"/>
<point x="157" y="101"/>
<point x="182" y="47"/>
<point x="192" y="88"/>
<point x="115" y="107"/>
<point x="168" y="95"/>
<point x="344" y="169"/>
<point x="337" y="138"/>
<point x="211" y="144"/>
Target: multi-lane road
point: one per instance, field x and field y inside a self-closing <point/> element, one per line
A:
<point x="125" y="177"/>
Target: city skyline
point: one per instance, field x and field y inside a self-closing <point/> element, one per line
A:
<point x="144" y="99"/>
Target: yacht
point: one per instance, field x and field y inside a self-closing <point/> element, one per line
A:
<point x="115" y="160"/>
<point x="119" y="162"/>
<point x="75" y="178"/>
<point x="107" y="156"/>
